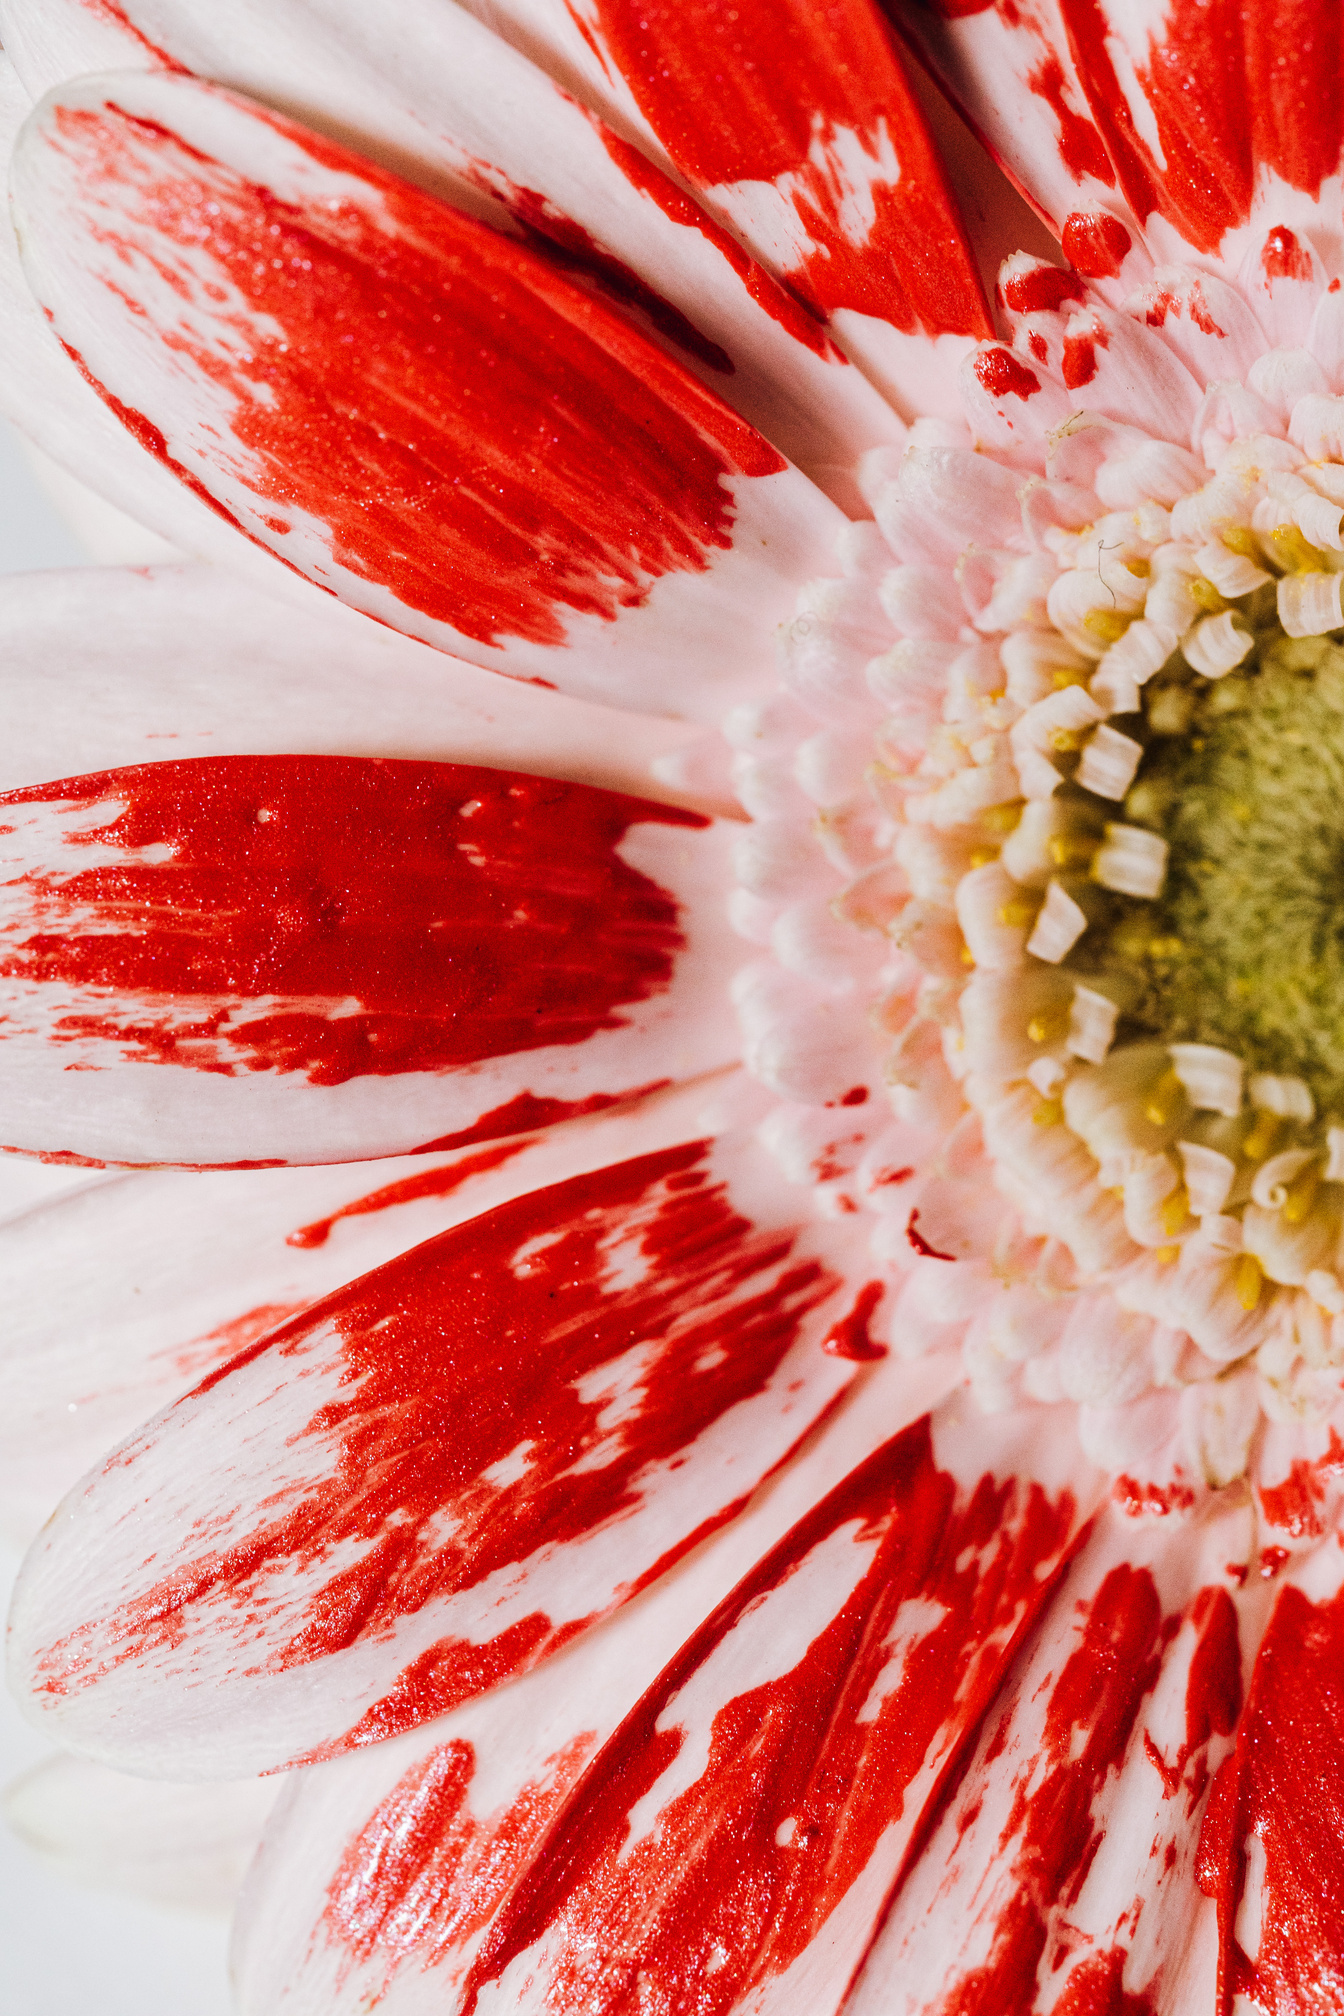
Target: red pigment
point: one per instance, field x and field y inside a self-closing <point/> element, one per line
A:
<point x="1285" y="1782"/>
<point x="1282" y="257"/>
<point x="1155" y="1500"/>
<point x="1080" y="145"/>
<point x="1079" y="366"/>
<point x="576" y="469"/>
<point x="575" y="250"/>
<point x="117" y="17"/>
<point x="849" y="1337"/>
<point x="452" y="1358"/>
<point x="921" y="1244"/>
<point x="744" y="95"/>
<point x="709" y="1905"/>
<point x="1096" y="243"/>
<point x="1294" y="1504"/>
<point x="424" y="1874"/>
<point x="765" y="291"/>
<point x="434" y="1183"/>
<point x="526" y="1114"/>
<point x="1001" y="373"/>
<point x="1041" y="288"/>
<point x="468" y="913"/>
<point x="1273" y="1561"/>
<point x="1053" y="1831"/>
<point x="227" y="1340"/>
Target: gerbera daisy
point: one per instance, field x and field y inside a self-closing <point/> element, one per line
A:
<point x="806" y="1476"/>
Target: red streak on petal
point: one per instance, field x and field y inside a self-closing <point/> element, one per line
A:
<point x="526" y="1114"/>
<point x="1001" y="373"/>
<point x="1285" y="1783"/>
<point x="1096" y="1989"/>
<point x="1042" y="287"/>
<point x="921" y="1244"/>
<point x="1096" y="243"/>
<point x="408" y="916"/>
<point x="425" y="1873"/>
<point x="806" y="1772"/>
<point x="759" y="93"/>
<point x="434" y="1183"/>
<point x="849" y="1337"/>
<point x="225" y="1342"/>
<point x="1282" y="258"/>
<point x="1079" y="364"/>
<point x="802" y="323"/>
<point x="1155" y="1500"/>
<point x="492" y="1348"/>
<point x="117" y="17"/>
<point x="576" y="469"/>
<point x="1080" y="145"/>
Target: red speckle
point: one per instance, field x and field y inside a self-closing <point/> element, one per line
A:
<point x="721" y="90"/>
<point x="1285" y="1783"/>
<point x="455" y="938"/>
<point x="424" y="1873"/>
<point x="1096" y="243"/>
<point x="887" y="1177"/>
<point x="1080" y="353"/>
<point x="1038" y="346"/>
<point x="1200" y="312"/>
<point x="447" y="1361"/>
<point x="1161" y="303"/>
<point x="1000" y="372"/>
<point x="857" y="1095"/>
<point x="921" y="1244"/>
<point x="804" y="1775"/>
<point x="1282" y="258"/>
<point x="1153" y="1500"/>
<point x="1273" y="1560"/>
<point x="576" y="469"/>
<point x="434" y="1183"/>
<point x="1293" y="1505"/>
<point x="1080" y="145"/>
<point x="849" y="1337"/>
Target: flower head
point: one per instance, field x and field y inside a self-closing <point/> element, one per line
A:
<point x="805" y="1475"/>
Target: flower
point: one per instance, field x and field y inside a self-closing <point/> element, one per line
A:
<point x="988" y="1323"/>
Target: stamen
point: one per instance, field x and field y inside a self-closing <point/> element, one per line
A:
<point x="1249" y="1281"/>
<point x="1132" y="861"/>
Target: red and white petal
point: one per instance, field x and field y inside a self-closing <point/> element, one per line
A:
<point x="383" y="1869"/>
<point x="433" y="1479"/>
<point x="734" y="1844"/>
<point x="186" y="1846"/>
<point x="1205" y="126"/>
<point x="797" y="127"/>
<point x="453" y="106"/>
<point x="1268" y="1851"/>
<point x="248" y="960"/>
<point x="416" y="413"/>
<point x="208" y="1263"/>
<point x="1065" y="1862"/>
<point x="104" y="667"/>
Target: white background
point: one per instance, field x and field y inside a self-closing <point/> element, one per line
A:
<point x="66" y="1950"/>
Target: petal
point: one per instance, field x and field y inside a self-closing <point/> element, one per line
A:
<point x="473" y="120"/>
<point x="733" y="1845"/>
<point x="798" y="128"/>
<point x="181" y="1845"/>
<point x="208" y="1263"/>
<point x="606" y="523"/>
<point x="1267" y="1849"/>
<point x="243" y="960"/>
<point x="1200" y="118"/>
<point x="111" y="666"/>
<point x="383" y="1868"/>
<point x="430" y="1481"/>
<point x="1066" y="1858"/>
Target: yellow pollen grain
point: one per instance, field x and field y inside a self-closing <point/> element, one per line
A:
<point x="1206" y="596"/>
<point x="1017" y="912"/>
<point x="1165" y="948"/>
<point x="1108" y="626"/>
<point x="1139" y="568"/>
<point x="1262" y="1137"/>
<point x="1294" y="553"/>
<point x="1163" y="1100"/>
<point x="1074" y="850"/>
<point x="1003" y="818"/>
<point x="1166" y="1254"/>
<point x="967" y="956"/>
<point x="1065" y="675"/>
<point x="982" y="856"/>
<point x="1065" y="740"/>
<point x="1301" y="1194"/>
<point x="1250" y="1280"/>
<point x="1049" y="1113"/>
<point x="1175" y="1210"/>
<point x="1240" y="539"/>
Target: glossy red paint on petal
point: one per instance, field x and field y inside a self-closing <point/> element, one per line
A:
<point x="1000" y="372"/>
<point x="1041" y="287"/>
<point x="713" y="1891"/>
<point x="425" y="1873"/>
<point x="1079" y="363"/>
<point x="391" y="916"/>
<point x="1080" y="145"/>
<point x="433" y="1183"/>
<point x="1096" y="243"/>
<point x="1096" y="1988"/>
<point x="473" y="1430"/>
<point x="1145" y="1499"/>
<point x="783" y="82"/>
<point x="1284" y="1786"/>
<point x="1282" y="257"/>
<point x="579" y="468"/>
<point x="849" y="1337"/>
